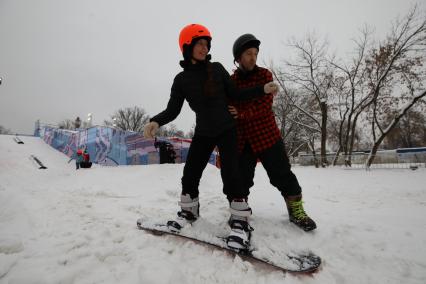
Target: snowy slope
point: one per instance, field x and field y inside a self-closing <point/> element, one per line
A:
<point x="65" y="226"/>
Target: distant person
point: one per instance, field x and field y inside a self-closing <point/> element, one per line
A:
<point x="167" y="153"/>
<point x="206" y="86"/>
<point x="78" y="157"/>
<point x="77" y="122"/>
<point x="86" y="163"/>
<point x="171" y="154"/>
<point x="82" y="159"/>
<point x="259" y="137"/>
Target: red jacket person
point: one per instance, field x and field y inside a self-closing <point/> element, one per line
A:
<point x="258" y="135"/>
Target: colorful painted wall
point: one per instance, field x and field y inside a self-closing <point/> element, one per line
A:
<point x="113" y="147"/>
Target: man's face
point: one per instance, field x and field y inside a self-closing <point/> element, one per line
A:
<point x="201" y="49"/>
<point x="248" y="59"/>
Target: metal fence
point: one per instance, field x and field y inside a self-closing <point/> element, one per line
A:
<point x="407" y="158"/>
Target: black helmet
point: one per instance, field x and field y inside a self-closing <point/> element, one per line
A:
<point x="244" y="42"/>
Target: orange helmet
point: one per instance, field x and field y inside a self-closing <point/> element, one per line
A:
<point x="79" y="152"/>
<point x="190" y="32"/>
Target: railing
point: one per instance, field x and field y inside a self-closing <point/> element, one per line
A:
<point x="398" y="158"/>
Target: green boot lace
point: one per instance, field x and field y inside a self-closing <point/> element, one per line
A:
<point x="296" y="208"/>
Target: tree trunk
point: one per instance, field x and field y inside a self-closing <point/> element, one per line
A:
<point x="314" y="154"/>
<point x="348" y="158"/>
<point x="373" y="151"/>
<point x="324" y="162"/>
<point x="336" y="157"/>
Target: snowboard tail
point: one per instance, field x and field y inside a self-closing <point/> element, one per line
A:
<point x="298" y="263"/>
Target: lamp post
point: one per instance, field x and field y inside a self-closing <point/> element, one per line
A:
<point x="89" y="119"/>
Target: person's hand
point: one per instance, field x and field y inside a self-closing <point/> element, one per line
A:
<point x="270" y="87"/>
<point x="233" y="111"/>
<point x="150" y="129"/>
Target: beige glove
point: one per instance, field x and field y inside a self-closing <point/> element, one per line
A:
<point x="150" y="129"/>
<point x="270" y="87"/>
<point x="233" y="111"/>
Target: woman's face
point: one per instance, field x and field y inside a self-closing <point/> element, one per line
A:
<point x="200" y="50"/>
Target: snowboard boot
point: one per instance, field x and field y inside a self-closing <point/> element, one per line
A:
<point x="239" y="238"/>
<point x="190" y="209"/>
<point x="297" y="214"/>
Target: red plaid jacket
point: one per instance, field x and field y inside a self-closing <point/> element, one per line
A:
<point x="256" y="121"/>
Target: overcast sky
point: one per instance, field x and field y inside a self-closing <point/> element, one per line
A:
<point x="62" y="59"/>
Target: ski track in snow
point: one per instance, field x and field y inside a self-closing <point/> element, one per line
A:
<point x="60" y="225"/>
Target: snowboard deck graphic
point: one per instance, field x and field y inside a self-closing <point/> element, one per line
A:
<point x="297" y="263"/>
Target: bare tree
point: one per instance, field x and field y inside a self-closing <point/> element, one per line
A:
<point x="385" y="131"/>
<point x="66" y="124"/>
<point x="395" y="74"/>
<point x="191" y="132"/>
<point x="409" y="132"/>
<point x="312" y="74"/>
<point x="170" y="130"/>
<point x="295" y="126"/>
<point x="351" y="95"/>
<point x="129" y="119"/>
<point x="288" y="126"/>
<point x="4" y="130"/>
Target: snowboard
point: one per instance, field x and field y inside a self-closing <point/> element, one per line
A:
<point x="294" y="262"/>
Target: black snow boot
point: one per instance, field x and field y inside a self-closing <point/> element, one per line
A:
<point x="297" y="214"/>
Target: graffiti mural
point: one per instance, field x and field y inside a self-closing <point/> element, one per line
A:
<point x="112" y="147"/>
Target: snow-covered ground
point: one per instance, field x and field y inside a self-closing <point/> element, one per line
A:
<point x="60" y="225"/>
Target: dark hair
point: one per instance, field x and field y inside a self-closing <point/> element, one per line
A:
<point x="209" y="86"/>
<point x="188" y="48"/>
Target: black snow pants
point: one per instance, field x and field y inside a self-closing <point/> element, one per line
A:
<point x="198" y="156"/>
<point x="277" y="166"/>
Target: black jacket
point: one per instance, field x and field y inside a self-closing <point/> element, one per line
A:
<point x="210" y="107"/>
